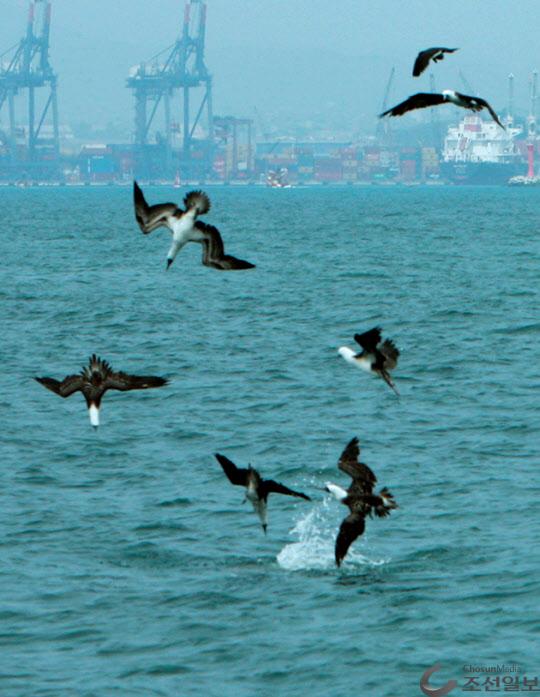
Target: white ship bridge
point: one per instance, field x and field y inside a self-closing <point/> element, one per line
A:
<point x="476" y="140"/>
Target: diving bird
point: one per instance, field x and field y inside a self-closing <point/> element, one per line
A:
<point x="428" y="99"/>
<point x="94" y="380"/>
<point x="377" y="356"/>
<point x="257" y="488"/>
<point x="359" y="498"/>
<point x="423" y="58"/>
<point x="186" y="228"/>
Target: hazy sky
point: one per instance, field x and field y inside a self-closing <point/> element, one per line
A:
<point x="295" y="58"/>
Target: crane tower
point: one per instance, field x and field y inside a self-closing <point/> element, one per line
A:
<point x="157" y="82"/>
<point x="24" y="69"/>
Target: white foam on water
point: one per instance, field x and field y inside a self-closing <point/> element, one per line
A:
<point x="317" y="531"/>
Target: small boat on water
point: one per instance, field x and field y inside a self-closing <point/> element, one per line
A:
<point x="521" y="180"/>
<point x="278" y="180"/>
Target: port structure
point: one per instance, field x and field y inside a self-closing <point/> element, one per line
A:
<point x="25" y="67"/>
<point x="531" y="124"/>
<point x="434" y="117"/>
<point x="236" y="137"/>
<point x="156" y="83"/>
<point x="383" y="131"/>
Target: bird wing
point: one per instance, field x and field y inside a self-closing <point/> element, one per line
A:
<point x="124" y="382"/>
<point x="487" y="106"/>
<point x="422" y="61"/>
<point x="369" y="340"/>
<point x="236" y="475"/>
<point x="151" y="217"/>
<point x="69" y="385"/>
<point x="390" y="352"/>
<point x="214" y="251"/>
<point x="416" y="101"/>
<point x="351" y="528"/>
<point x="213" y="239"/>
<point x="269" y="486"/>
<point x="423" y="58"/>
<point x="361" y="474"/>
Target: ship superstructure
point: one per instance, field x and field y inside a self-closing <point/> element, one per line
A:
<point x="477" y="151"/>
<point x="476" y="140"/>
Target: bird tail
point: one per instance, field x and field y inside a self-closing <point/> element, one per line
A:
<point x="198" y="200"/>
<point x="386" y="505"/>
<point x="96" y="365"/>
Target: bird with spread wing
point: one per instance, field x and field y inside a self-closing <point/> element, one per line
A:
<point x="257" y="488"/>
<point x="359" y="498"/>
<point x="94" y="380"/>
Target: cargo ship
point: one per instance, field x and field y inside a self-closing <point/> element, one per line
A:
<point x="481" y="152"/>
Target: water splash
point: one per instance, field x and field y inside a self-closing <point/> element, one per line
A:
<point x="317" y="531"/>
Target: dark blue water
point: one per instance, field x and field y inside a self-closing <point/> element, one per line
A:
<point x="129" y="565"/>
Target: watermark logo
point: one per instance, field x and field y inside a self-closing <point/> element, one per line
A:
<point x="435" y="691"/>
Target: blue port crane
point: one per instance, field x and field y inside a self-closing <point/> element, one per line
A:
<point x="154" y="83"/>
<point x="25" y="67"/>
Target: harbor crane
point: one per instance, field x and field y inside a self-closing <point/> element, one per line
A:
<point x="180" y="67"/>
<point x="25" y="68"/>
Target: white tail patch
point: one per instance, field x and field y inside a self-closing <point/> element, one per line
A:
<point x="93" y="412"/>
<point x="350" y="356"/>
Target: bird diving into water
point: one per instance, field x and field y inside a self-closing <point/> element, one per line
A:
<point x="94" y="380"/>
<point x="186" y="228"/>
<point x="423" y="58"/>
<point x="377" y="356"/>
<point x="359" y="498"/>
<point x="257" y="488"/>
<point x="428" y="99"/>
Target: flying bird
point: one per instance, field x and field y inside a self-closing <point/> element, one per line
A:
<point x="257" y="488"/>
<point x="423" y="58"/>
<point x="94" y="380"/>
<point x="359" y="498"/>
<point x="186" y="228"/>
<point x="429" y="99"/>
<point x="377" y="356"/>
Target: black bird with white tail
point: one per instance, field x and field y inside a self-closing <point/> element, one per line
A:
<point x="421" y="100"/>
<point x="257" y="488"/>
<point x="359" y="498"/>
<point x="430" y="54"/>
<point x="94" y="380"/>
<point x="377" y="356"/>
<point x="186" y="228"/>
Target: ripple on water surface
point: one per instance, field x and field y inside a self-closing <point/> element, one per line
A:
<point x="130" y="565"/>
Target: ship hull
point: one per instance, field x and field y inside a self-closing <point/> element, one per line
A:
<point x="494" y="173"/>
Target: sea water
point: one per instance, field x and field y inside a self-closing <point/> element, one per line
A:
<point x="129" y="565"/>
